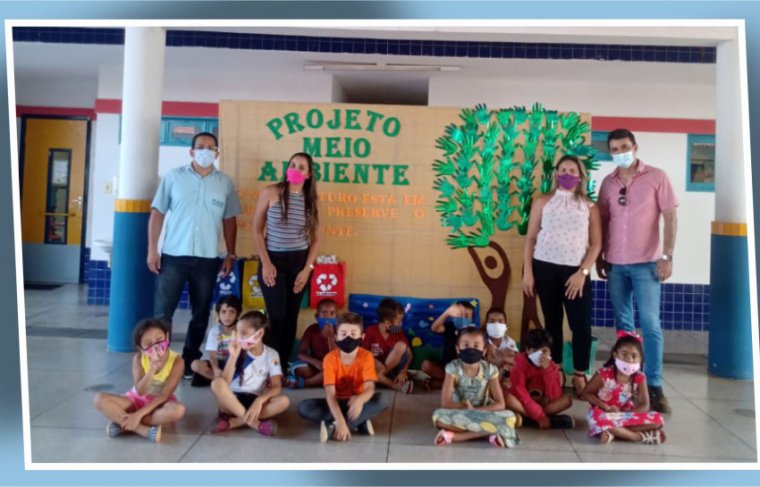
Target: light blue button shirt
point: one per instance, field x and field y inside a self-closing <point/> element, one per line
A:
<point x="198" y="205"/>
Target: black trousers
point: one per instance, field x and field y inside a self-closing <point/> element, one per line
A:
<point x="282" y="303"/>
<point x="200" y="274"/>
<point x="550" y="286"/>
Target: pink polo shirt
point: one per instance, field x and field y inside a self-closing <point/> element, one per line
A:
<point x="633" y="230"/>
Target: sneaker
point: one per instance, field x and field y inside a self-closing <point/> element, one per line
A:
<point x="154" y="434"/>
<point x="222" y="424"/>
<point x="326" y="431"/>
<point x="657" y="400"/>
<point x="268" y="427"/>
<point x="188" y="370"/>
<point x="366" y="428"/>
<point x="114" y="430"/>
<point x="561" y="421"/>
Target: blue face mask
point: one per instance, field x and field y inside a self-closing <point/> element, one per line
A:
<point x="461" y="322"/>
<point x="322" y="322"/>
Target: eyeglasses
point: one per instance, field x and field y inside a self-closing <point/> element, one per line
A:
<point x="622" y="200"/>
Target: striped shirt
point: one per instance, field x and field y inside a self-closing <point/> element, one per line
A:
<point x="287" y="236"/>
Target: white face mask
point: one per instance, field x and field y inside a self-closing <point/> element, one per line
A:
<point x="627" y="368"/>
<point x="624" y="160"/>
<point x="204" y="157"/>
<point x="496" y="330"/>
<point x="535" y="357"/>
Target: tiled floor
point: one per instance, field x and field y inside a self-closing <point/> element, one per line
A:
<point x="713" y="419"/>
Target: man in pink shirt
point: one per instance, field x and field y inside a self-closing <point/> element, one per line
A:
<point x="631" y="200"/>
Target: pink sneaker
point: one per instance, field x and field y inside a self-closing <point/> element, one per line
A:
<point x="268" y="427"/>
<point x="222" y="424"/>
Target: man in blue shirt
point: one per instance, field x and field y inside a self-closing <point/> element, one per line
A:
<point x="201" y="203"/>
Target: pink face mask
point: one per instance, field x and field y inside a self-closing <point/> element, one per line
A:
<point x="295" y="176"/>
<point x="626" y="367"/>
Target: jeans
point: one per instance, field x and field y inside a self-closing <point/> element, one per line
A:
<point x="200" y="274"/>
<point x="282" y="304"/>
<point x="550" y="287"/>
<point x="316" y="410"/>
<point x="639" y="280"/>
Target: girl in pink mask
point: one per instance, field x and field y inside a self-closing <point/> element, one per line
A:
<point x="619" y="399"/>
<point x="249" y="392"/>
<point x="151" y="402"/>
<point x="286" y="234"/>
<point x="563" y="241"/>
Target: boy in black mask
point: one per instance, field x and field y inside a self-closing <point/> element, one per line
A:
<point x="349" y="380"/>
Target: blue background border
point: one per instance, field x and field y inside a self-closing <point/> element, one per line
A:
<point x="11" y="450"/>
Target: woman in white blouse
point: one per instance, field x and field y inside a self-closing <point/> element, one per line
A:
<point x="564" y="239"/>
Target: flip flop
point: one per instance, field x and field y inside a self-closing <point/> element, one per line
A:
<point x="605" y="438"/>
<point x="496" y="441"/>
<point x="656" y="437"/>
<point x="408" y="387"/>
<point x="444" y="437"/>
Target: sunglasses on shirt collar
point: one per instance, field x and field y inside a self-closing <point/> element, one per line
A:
<point x="622" y="200"/>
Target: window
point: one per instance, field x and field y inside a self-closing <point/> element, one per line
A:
<point x="599" y="142"/>
<point x="181" y="130"/>
<point x="700" y="163"/>
<point x="57" y="205"/>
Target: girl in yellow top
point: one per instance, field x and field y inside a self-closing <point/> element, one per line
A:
<point x="150" y="403"/>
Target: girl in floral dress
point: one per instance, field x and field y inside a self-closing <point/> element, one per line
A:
<point x="619" y="398"/>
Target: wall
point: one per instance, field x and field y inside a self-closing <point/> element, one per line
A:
<point x="634" y="99"/>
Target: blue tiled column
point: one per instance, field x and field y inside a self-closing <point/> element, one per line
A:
<point x="730" y="348"/>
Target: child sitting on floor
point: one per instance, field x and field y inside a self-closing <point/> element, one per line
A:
<point x="472" y="403"/>
<point x="316" y="342"/>
<point x="150" y="403"/>
<point x="535" y="390"/>
<point x="241" y="392"/>
<point x="228" y="308"/>
<point x="349" y="377"/>
<point x="456" y="317"/>
<point x="389" y="346"/>
<point x="619" y="400"/>
<point x="501" y="348"/>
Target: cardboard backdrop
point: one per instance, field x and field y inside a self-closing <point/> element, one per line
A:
<point x="374" y="167"/>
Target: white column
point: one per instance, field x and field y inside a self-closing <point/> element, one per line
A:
<point x="730" y="181"/>
<point x="144" y="53"/>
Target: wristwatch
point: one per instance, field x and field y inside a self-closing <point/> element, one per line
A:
<point x="585" y="272"/>
<point x="667" y="258"/>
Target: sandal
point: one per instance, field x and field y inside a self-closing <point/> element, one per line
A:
<point x="497" y="441"/>
<point x="656" y="437"/>
<point x="408" y="387"/>
<point x="444" y="437"/>
<point x="579" y="378"/>
<point x="605" y="438"/>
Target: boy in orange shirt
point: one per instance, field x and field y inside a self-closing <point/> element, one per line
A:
<point x="349" y="380"/>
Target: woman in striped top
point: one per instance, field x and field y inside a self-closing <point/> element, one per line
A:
<point x="287" y="250"/>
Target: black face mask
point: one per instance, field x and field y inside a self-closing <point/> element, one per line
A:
<point x="348" y="344"/>
<point x="471" y="355"/>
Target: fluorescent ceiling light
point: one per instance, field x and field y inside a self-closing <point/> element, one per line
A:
<point x="376" y="67"/>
